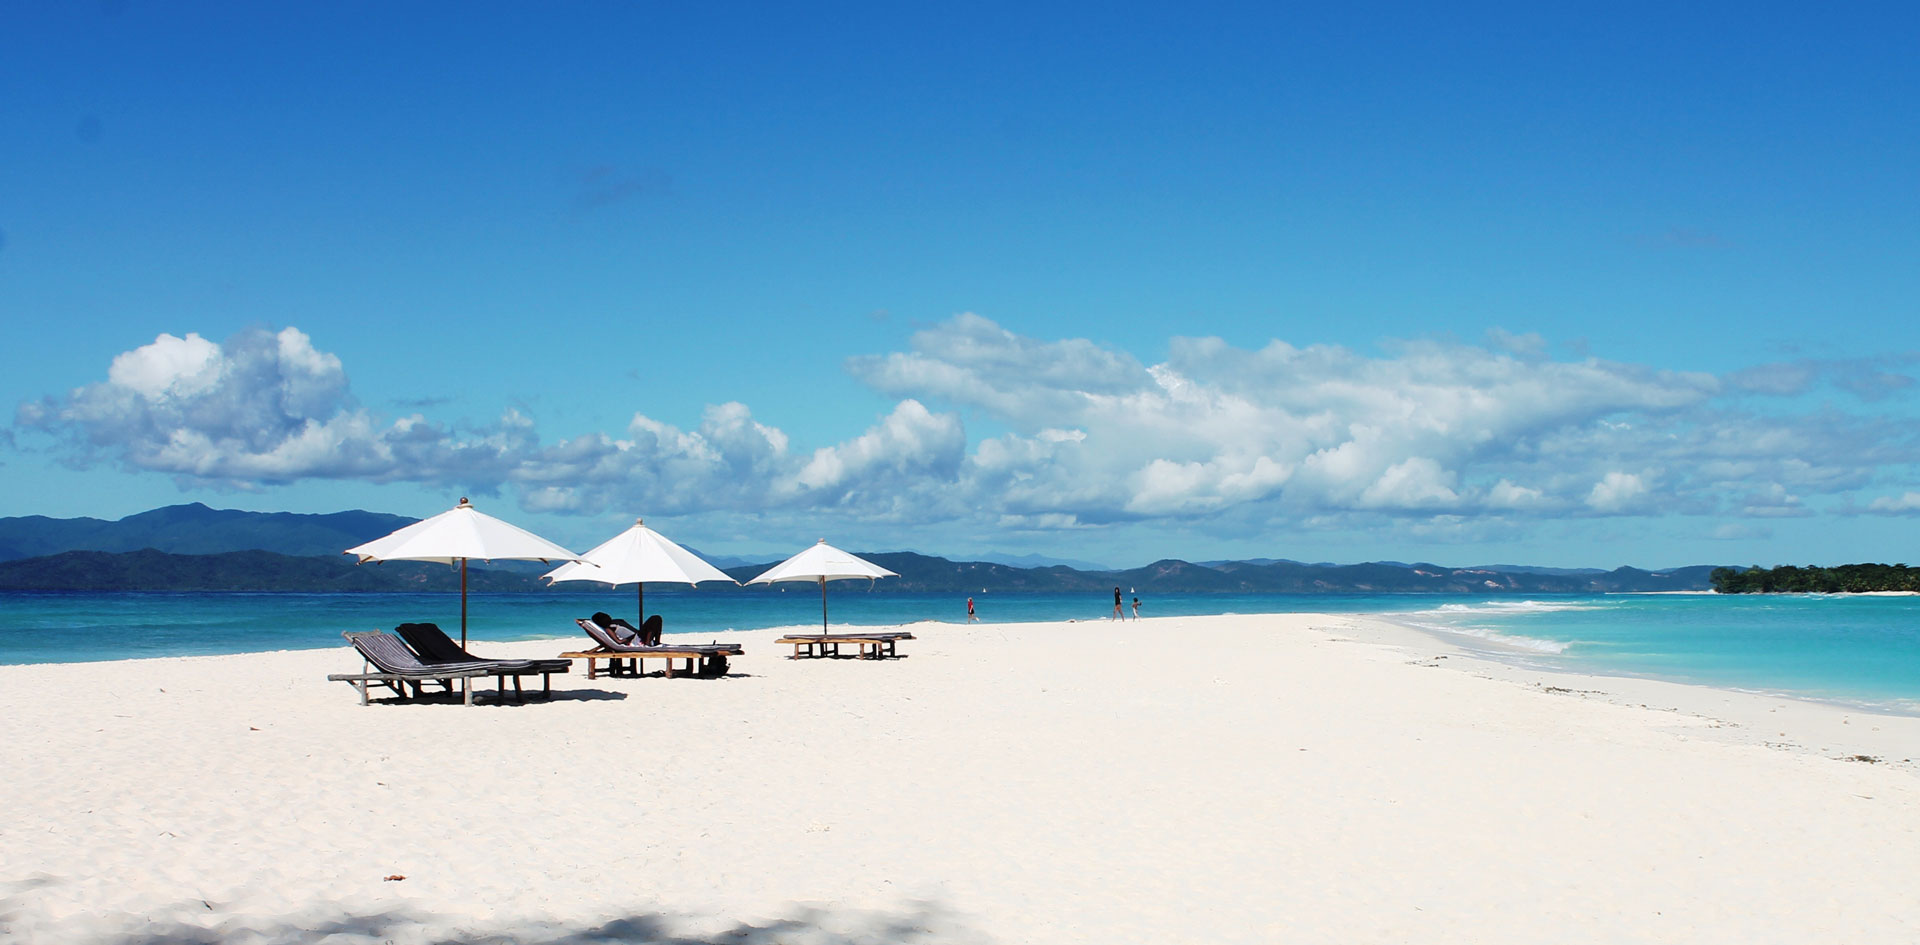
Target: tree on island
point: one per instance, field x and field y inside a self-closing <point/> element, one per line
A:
<point x="1791" y="579"/>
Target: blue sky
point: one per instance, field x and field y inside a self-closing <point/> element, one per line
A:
<point x="1572" y="285"/>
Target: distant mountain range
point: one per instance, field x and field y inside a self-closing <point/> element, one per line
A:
<point x="196" y="548"/>
<point x="196" y="530"/>
<point x="1042" y="561"/>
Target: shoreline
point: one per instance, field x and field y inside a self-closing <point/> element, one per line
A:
<point x="1303" y="777"/>
<point x="1521" y="654"/>
<point x="1823" y="727"/>
<point x="1513" y="660"/>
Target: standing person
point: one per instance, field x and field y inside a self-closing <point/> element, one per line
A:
<point x="1136" y="608"/>
<point x="970" y="616"/>
<point x="1117" y="615"/>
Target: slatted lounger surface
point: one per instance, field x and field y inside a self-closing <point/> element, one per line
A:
<point x="626" y="659"/>
<point x="434" y="646"/>
<point x="399" y="667"/>
<point x="871" y="645"/>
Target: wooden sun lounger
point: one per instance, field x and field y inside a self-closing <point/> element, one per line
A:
<point x="871" y="645"/>
<point x="398" y="682"/>
<point x="633" y="662"/>
<point x="400" y="667"/>
<point x="398" y="676"/>
<point x="436" y="648"/>
<point x="624" y="659"/>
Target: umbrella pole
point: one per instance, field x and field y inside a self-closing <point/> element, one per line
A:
<point x="823" y="605"/>
<point x="465" y="682"/>
<point x="640" y="599"/>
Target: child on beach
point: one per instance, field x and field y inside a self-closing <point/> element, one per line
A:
<point x="1136" y="608"/>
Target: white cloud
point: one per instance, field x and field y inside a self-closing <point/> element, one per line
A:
<point x="973" y="362"/>
<point x="1449" y="437"/>
<point x="1506" y="495"/>
<point x="908" y="445"/>
<point x="1617" y="492"/>
<point x="170" y="366"/>
<point x="1870" y="379"/>
<point x="1905" y="504"/>
<point x="1528" y="345"/>
<point x="1308" y="430"/>
<point x="1772" y="501"/>
<point x="1780" y="380"/>
<point x="265" y="407"/>
<point x="1414" y="483"/>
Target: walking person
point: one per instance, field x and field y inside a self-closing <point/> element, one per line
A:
<point x="1117" y="615"/>
<point x="970" y="615"/>
<point x="1136" y="608"/>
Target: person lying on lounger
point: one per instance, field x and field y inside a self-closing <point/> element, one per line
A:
<point x="626" y="634"/>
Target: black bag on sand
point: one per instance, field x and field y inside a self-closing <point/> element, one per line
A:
<point x="714" y="665"/>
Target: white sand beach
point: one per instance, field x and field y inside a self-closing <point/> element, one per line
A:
<point x="1297" y="778"/>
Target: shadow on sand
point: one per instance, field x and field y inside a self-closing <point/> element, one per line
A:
<point x="920" y="922"/>
<point x="491" y="699"/>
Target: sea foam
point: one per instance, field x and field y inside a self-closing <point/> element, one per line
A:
<point x="1514" y="607"/>
<point x="1517" y="641"/>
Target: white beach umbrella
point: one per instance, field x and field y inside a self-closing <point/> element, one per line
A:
<point x="822" y="563"/>
<point x="637" y="556"/>
<point x="459" y="535"/>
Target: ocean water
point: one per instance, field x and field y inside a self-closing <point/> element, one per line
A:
<point x="1853" y="649"/>
<point x="39" y="627"/>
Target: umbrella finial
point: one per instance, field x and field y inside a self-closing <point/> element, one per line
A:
<point x="639" y="522"/>
<point x="464" y="504"/>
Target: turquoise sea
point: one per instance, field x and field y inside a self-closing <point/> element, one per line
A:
<point x="1852" y="649"/>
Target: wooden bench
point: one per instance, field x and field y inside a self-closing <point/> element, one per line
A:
<point x="632" y="663"/>
<point x="873" y="646"/>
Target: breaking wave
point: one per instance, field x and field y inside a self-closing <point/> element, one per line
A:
<point x="1512" y="608"/>
<point x="1514" y="640"/>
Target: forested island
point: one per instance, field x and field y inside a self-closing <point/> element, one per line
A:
<point x="1840" y="579"/>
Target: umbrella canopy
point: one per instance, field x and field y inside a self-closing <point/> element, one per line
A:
<point x="822" y="563"/>
<point x="636" y="556"/>
<point x="459" y="535"/>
